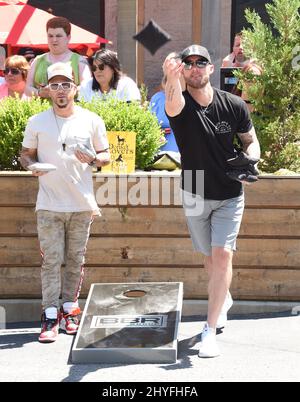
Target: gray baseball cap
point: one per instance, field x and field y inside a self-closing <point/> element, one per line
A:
<point x="195" y="50"/>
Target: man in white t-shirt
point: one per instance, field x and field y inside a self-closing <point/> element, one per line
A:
<point x="60" y="146"/>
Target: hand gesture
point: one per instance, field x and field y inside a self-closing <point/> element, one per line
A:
<point x="173" y="69"/>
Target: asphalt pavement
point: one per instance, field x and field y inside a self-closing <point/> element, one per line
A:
<point x="255" y="347"/>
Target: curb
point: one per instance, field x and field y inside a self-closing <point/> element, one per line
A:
<point x="29" y="310"/>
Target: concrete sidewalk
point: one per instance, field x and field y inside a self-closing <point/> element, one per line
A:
<point x="261" y="347"/>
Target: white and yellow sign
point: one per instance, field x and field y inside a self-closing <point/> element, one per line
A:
<point x="122" y="146"/>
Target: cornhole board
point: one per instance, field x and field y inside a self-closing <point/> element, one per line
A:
<point x="129" y="323"/>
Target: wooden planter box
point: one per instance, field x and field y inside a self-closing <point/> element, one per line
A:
<point x="151" y="243"/>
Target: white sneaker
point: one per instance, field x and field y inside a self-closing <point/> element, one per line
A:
<point x="222" y="320"/>
<point x="208" y="345"/>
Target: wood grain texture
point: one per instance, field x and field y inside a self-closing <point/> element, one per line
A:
<point x="20" y="221"/>
<point x="21" y="189"/>
<point x="247" y="284"/>
<point x="151" y="242"/>
<point x="147" y="251"/>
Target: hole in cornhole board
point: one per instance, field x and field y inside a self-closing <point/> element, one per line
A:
<point x="135" y="293"/>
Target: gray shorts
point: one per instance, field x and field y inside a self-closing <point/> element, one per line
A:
<point x="213" y="223"/>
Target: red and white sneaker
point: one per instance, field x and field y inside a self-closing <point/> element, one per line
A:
<point x="69" y="322"/>
<point x="49" y="331"/>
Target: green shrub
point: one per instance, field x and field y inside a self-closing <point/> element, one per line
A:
<point x="276" y="93"/>
<point x="288" y="156"/>
<point x="122" y="116"/>
<point x="14" y="115"/>
<point x="117" y="115"/>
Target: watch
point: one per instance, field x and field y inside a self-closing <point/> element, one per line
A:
<point x="94" y="162"/>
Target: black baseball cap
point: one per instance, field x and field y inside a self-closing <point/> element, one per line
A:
<point x="195" y="50"/>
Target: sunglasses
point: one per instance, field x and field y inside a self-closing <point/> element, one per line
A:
<point x="12" y="70"/>
<point x="66" y="86"/>
<point x="188" y="65"/>
<point x="100" y="67"/>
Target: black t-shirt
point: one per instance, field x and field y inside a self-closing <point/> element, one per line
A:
<point x="205" y="138"/>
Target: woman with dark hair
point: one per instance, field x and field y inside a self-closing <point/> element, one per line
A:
<point x="15" y="74"/>
<point x="108" y="80"/>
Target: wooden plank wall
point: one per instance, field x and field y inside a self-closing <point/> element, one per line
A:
<point x="151" y="243"/>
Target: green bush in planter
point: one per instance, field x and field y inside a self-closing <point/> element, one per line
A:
<point x="117" y="115"/>
<point x="14" y="115"/>
<point x="276" y="93"/>
<point x="122" y="116"/>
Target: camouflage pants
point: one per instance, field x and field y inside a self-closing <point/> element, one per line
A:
<point x="63" y="237"/>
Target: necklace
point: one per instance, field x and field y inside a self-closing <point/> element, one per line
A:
<point x="60" y="132"/>
<point x="203" y="109"/>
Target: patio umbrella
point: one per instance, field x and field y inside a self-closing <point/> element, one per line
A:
<point x="22" y="25"/>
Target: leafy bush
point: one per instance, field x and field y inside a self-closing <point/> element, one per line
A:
<point x="117" y="115"/>
<point x="276" y="93"/>
<point x="14" y="115"/>
<point x="122" y="116"/>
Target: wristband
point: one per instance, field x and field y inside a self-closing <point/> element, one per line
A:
<point x="94" y="162"/>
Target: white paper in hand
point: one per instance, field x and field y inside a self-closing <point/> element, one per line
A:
<point x="42" y="167"/>
<point x="85" y="150"/>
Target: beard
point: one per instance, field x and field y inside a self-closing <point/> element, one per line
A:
<point x="240" y="57"/>
<point x="197" y="82"/>
<point x="62" y="103"/>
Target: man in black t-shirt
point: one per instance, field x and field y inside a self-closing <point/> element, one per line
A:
<point x="207" y="124"/>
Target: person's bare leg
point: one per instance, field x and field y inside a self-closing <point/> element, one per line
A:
<point x="219" y="267"/>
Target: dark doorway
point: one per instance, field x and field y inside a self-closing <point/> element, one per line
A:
<point x="238" y="20"/>
<point x="86" y="14"/>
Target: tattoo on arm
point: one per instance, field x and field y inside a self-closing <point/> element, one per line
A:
<point x="247" y="138"/>
<point x="250" y="143"/>
<point x="28" y="157"/>
<point x="170" y="94"/>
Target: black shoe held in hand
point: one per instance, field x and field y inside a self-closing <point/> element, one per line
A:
<point x="242" y="168"/>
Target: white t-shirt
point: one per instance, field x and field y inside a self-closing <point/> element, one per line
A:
<point x="126" y="90"/>
<point x="70" y="187"/>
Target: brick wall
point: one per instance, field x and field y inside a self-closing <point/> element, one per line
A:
<point x="111" y="23"/>
<point x="175" y="17"/>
